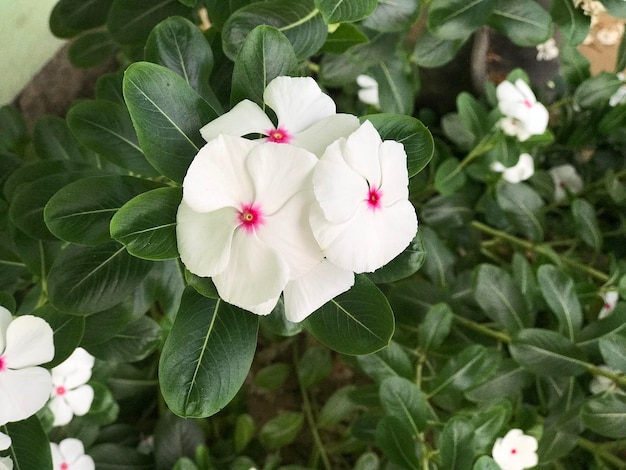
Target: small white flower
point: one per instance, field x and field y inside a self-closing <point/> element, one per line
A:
<point x="515" y="451"/>
<point x="69" y="454"/>
<point x="521" y="171"/>
<point x="363" y="218"/>
<point x="524" y="116"/>
<point x="368" y="93"/>
<point x="25" y="342"/>
<point x="600" y="384"/>
<point x="565" y="180"/>
<point x="547" y="50"/>
<point x="306" y="116"/>
<point x="5" y="441"/>
<point x="6" y="463"/>
<point x="70" y="395"/>
<point x="610" y="299"/>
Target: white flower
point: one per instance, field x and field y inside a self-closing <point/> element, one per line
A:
<point x="6" y="463"/>
<point x="515" y="451"/>
<point x="69" y="454"/>
<point x="5" y="441"/>
<point x="521" y="171"/>
<point x="524" y="115"/>
<point x="565" y="180"/>
<point x="25" y="342"/>
<point x="547" y="50"/>
<point x="619" y="97"/>
<point x="368" y="93"/>
<point x="306" y="116"/>
<point x="610" y="299"/>
<point x="600" y="384"/>
<point x="70" y="395"/>
<point x="363" y="218"/>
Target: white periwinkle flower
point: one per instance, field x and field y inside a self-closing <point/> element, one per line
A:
<point x="565" y="180"/>
<point x="363" y="218"/>
<point x="524" y="116"/>
<point x="619" y="97"/>
<point x="6" y="463"/>
<point x="600" y="384"/>
<point x="547" y="50"/>
<point x="515" y="451"/>
<point x="25" y="343"/>
<point x="521" y="171"/>
<point x="368" y="93"/>
<point x="5" y="441"/>
<point x="70" y="393"/>
<point x="610" y="299"/>
<point x="306" y="116"/>
<point x="69" y="454"/>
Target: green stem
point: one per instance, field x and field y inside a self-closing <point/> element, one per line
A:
<point x="477" y="327"/>
<point x="592" y="369"/>
<point x="600" y="452"/>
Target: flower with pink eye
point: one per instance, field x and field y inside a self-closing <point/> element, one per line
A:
<point x="524" y="116"/>
<point x="69" y="454"/>
<point x="515" y="451"/>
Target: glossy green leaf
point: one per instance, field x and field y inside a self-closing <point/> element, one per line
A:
<point x="30" y="172"/>
<point x="613" y="119"/>
<point x="81" y="211"/>
<point x="300" y="21"/>
<point x="30" y="447"/>
<point x="606" y="415"/>
<point x="404" y="265"/>
<point x="559" y="292"/>
<point x="37" y="255"/>
<point x="411" y="133"/>
<point x="586" y="221"/>
<point x="167" y="114"/>
<point x="457" y="19"/>
<point x="395" y="439"/>
<point x="392" y="361"/>
<point x="54" y="141"/>
<point x="450" y="177"/>
<point x="220" y="10"/>
<point x="485" y="462"/>
<point x="133" y="343"/>
<point x="455" y="444"/>
<point x="69" y="17"/>
<point x="359" y="321"/>
<point x="488" y="422"/>
<point x="439" y="261"/>
<point x="404" y="400"/>
<point x="85" y="280"/>
<point x="447" y="212"/>
<point x="596" y="91"/>
<point x="525" y="22"/>
<point x="117" y="457"/>
<point x="105" y="127"/>
<point x="68" y="331"/>
<point x="523" y="206"/>
<point x="396" y="87"/>
<point x="146" y="224"/>
<point x="281" y="430"/>
<point x="109" y="87"/>
<point x="546" y="353"/>
<point x="454" y="129"/>
<point x="613" y="349"/>
<point x="343" y="38"/>
<point x="393" y="17"/>
<point x="91" y="49"/>
<point x="435" y="327"/>
<point x="265" y="54"/>
<point x="472" y="114"/>
<point x="500" y="298"/>
<point x="345" y="11"/>
<point x="206" y="356"/>
<point x="431" y="51"/>
<point x="573" y="23"/>
<point x="174" y="438"/>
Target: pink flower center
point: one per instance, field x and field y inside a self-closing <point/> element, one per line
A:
<point x="528" y="104"/>
<point x="607" y="306"/>
<point x="3" y="365"/>
<point x="60" y="390"/>
<point x="64" y="466"/>
<point x="278" y="135"/>
<point x="513" y="451"/>
<point x="250" y="217"/>
<point x="373" y="198"/>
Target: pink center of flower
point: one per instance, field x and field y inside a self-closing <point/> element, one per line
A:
<point x="373" y="198"/>
<point x="606" y="306"/>
<point x="64" y="466"/>
<point x="513" y="451"/>
<point x="61" y="390"/>
<point x="250" y="217"/>
<point x="279" y="135"/>
<point x="528" y="104"/>
<point x="3" y="365"/>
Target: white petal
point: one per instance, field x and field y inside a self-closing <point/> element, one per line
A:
<point x="217" y="176"/>
<point x="5" y="441"/>
<point x="28" y="342"/>
<point x="309" y="292"/>
<point x="537" y="119"/>
<point x="71" y="449"/>
<point x="525" y="91"/>
<point x="506" y="92"/>
<point x="317" y="137"/>
<point x="278" y="171"/>
<point x="5" y="319"/>
<point x="204" y="239"/>
<point x="395" y="176"/>
<point x="85" y="462"/>
<point x="298" y="102"/>
<point x="57" y="458"/>
<point x="255" y="273"/>
<point x="75" y="370"/>
<point x="338" y="189"/>
<point x="23" y="392"/>
<point x="369" y="96"/>
<point x="523" y="170"/>
<point x="80" y="399"/>
<point x="6" y="463"/>
<point x="244" y="118"/>
<point x="361" y="153"/>
<point x="61" y="411"/>
<point x="365" y="81"/>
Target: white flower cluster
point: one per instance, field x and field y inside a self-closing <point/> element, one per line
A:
<point x="295" y="213"/>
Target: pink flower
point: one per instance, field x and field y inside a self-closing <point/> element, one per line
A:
<point x="515" y="451"/>
<point x="610" y="298"/>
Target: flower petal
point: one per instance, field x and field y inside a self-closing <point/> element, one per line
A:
<point x="317" y="137"/>
<point x="525" y="91"/>
<point x="255" y="273"/>
<point x="361" y="153"/>
<point x="204" y="239"/>
<point x="80" y="399"/>
<point x="244" y="118"/>
<point x="28" y="342"/>
<point x="57" y="458"/>
<point x="298" y="102"/>
<point x="5" y="319"/>
<point x="395" y="179"/>
<point x="61" y="411"/>
<point x="84" y="462"/>
<point x="506" y="93"/>
<point x="6" y="463"/>
<point x="23" y="392"/>
<point x="71" y="449"/>
<point x="309" y="292"/>
<point x="75" y="370"/>
<point x="217" y="176"/>
<point x="5" y="441"/>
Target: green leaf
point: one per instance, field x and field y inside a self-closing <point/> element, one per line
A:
<point x="174" y="438"/>
<point x="586" y="222"/>
<point x="457" y="19"/>
<point x="146" y="224"/>
<point x="485" y="462"/>
<point x="131" y="22"/>
<point x="454" y="129"/>
<point x="69" y="17"/>
<point x="410" y="132"/>
<point x="85" y="280"/>
<point x="559" y="292"/>
<point x="455" y="444"/>
<point x="447" y="212"/>
<point x="436" y="327"/>
<point x="37" y="255"/>
<point x="500" y="298"/>
<point x="396" y="88"/>
<point x="392" y="361"/>
<point x="449" y="177"/>
<point x="606" y="415"/>
<point x="367" y="461"/>
<point x="68" y="331"/>
<point x="314" y="366"/>
<point x="573" y="23"/>
<point x="91" y="49"/>
<point x="616" y="8"/>
<point x="206" y="356"/>
<point x="220" y="10"/>
<point x="613" y="119"/>
<point x="487" y="424"/>
<point x="54" y="141"/>
<point x="596" y="91"/>
<point x="299" y="21"/>
<point x="167" y="114"/>
<point x="109" y="87"/>
<point x="273" y="377"/>
<point x="30" y="447"/>
<point x="105" y="127"/>
<point x="509" y="380"/>
<point x="394" y="16"/>
<point x="404" y="265"/>
<point x="546" y="353"/>
<point x="265" y="54"/>
<point x="472" y="114"/>
<point x="337" y="408"/>
<point x="281" y="430"/>
<point x="613" y="349"/>
<point x="523" y="206"/>
<point x="81" y="211"/>
<point x="395" y="439"/>
<point x="244" y="432"/>
<point x="525" y="22"/>
<point x="118" y="457"/>
<point x="343" y="38"/>
<point x="133" y="343"/>
<point x="404" y="400"/>
<point x="431" y="51"/>
<point x="439" y="262"/>
<point x="359" y="321"/>
<point x="345" y="11"/>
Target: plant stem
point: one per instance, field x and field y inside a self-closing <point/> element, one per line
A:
<point x="600" y="452"/>
<point x="594" y="370"/>
<point x="472" y="325"/>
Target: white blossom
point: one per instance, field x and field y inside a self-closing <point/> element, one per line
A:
<point x="6" y="463"/>
<point x="565" y="179"/>
<point x="610" y="299"/>
<point x="524" y="116"/>
<point x="521" y="171"/>
<point x="515" y="451"/>
<point x="368" y="92"/>
<point x="71" y="396"/>
<point x="5" y="441"/>
<point x="601" y="384"/>
<point x="547" y="50"/>
<point x="69" y="454"/>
